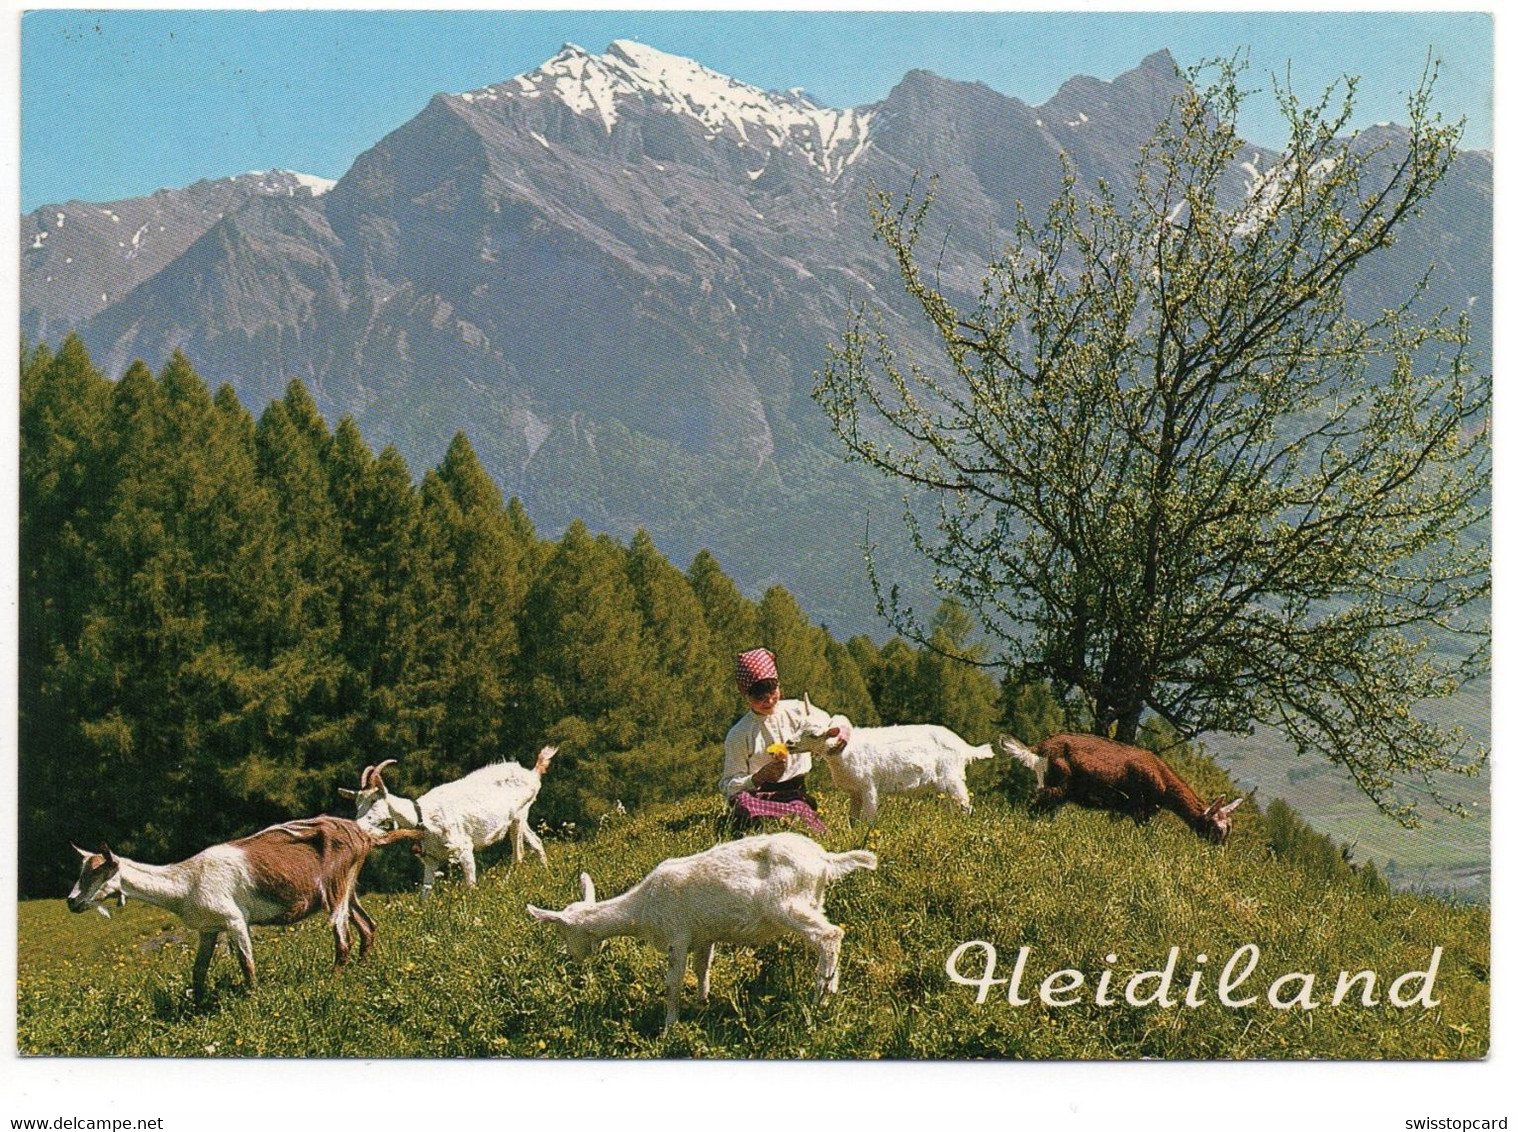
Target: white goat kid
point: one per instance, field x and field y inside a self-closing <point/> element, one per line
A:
<point x="458" y="818"/>
<point x="277" y="876"/>
<point x="750" y="891"/>
<point x="867" y="762"/>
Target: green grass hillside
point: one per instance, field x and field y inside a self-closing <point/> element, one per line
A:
<point x="468" y="973"/>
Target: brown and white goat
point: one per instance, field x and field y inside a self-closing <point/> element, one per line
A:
<point x="1106" y="775"/>
<point x="277" y="876"/>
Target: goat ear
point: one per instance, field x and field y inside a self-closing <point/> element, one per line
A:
<point x="344" y="792"/>
<point x="83" y="853"/>
<point x="544" y="914"/>
<point x="587" y="888"/>
<point x="1228" y="809"/>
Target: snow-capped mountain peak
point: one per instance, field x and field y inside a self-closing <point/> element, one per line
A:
<point x="597" y="86"/>
<point x="286" y="182"/>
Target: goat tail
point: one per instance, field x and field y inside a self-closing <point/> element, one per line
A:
<point x="842" y="864"/>
<point x="390" y="837"/>
<point x="1028" y="757"/>
<point x="1033" y="761"/>
<point x="545" y="756"/>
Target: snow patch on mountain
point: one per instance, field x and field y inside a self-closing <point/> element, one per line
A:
<point x="285" y="182"/>
<point x="598" y="86"/>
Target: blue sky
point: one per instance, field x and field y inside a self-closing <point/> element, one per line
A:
<point x="118" y="103"/>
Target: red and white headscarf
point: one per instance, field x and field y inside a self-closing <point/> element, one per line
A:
<point x="754" y="666"/>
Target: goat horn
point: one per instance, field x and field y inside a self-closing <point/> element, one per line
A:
<point x="363" y="779"/>
<point x="380" y="770"/>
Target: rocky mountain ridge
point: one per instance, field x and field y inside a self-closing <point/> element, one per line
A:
<point x="619" y="273"/>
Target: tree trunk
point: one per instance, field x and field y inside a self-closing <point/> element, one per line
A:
<point x="1127" y="726"/>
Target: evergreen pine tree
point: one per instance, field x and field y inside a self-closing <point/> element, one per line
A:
<point x="893" y="684"/>
<point x="401" y="586"/>
<point x="799" y="646"/>
<point x="731" y="618"/>
<point x="309" y="530"/>
<point x="294" y="754"/>
<point x="587" y="674"/>
<point x="482" y="558"/>
<point x="674" y="626"/>
<point x="182" y="576"/>
<point x="955" y="692"/>
<point x="64" y="401"/>
<point x="852" y="695"/>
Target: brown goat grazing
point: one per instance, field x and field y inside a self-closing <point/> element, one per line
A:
<point x="277" y="876"/>
<point x="1105" y="775"/>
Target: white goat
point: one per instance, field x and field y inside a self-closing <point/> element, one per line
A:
<point x="750" y="891"/>
<point x="277" y="876"/>
<point x="866" y="762"/>
<point x="474" y="812"/>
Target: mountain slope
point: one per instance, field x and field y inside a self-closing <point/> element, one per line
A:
<point x="78" y="259"/>
<point x="469" y="974"/>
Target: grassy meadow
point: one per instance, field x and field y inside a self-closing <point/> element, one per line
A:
<point x="470" y="974"/>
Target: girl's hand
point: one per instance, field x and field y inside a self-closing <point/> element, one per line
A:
<point x="770" y="771"/>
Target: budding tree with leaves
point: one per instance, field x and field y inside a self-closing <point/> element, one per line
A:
<point x="1171" y="472"/>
